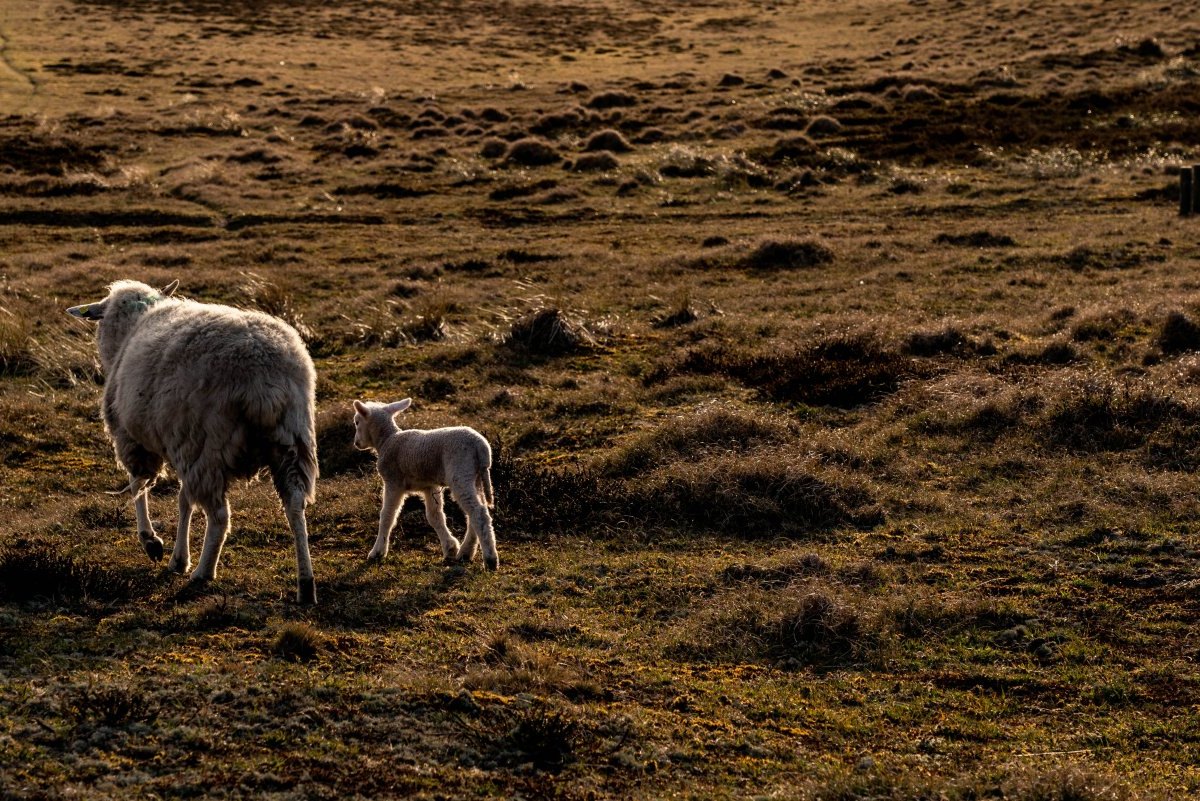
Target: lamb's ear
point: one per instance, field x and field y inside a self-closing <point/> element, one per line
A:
<point x="399" y="406"/>
<point x="360" y="407"/>
<point x="169" y="290"/>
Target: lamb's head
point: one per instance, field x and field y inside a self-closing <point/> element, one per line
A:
<point x="373" y="422"/>
<point x="119" y="312"/>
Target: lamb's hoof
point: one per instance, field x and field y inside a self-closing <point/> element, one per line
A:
<point x="178" y="567"/>
<point x="306" y="591"/>
<point x="152" y="544"/>
<point x="373" y="556"/>
<point x="492" y="563"/>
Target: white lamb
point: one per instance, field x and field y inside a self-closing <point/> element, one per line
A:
<point x="219" y="393"/>
<point x="412" y="461"/>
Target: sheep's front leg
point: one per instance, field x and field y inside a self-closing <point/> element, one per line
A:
<point x="152" y="544"/>
<point x="217" y="515"/>
<point x="392" y="498"/>
<point x="181" y="557"/>
<point x="435" y="513"/>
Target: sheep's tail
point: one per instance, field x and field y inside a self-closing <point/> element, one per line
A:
<point x="483" y="473"/>
<point x="295" y="467"/>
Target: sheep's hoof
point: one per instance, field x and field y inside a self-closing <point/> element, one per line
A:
<point x="306" y="591"/>
<point x="375" y="556"/>
<point x="491" y="562"/>
<point x="152" y="544"/>
<point x="178" y="567"/>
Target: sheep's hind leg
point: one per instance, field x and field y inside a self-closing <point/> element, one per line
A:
<point x="306" y="585"/>
<point x="435" y="513"/>
<point x="392" y="500"/>
<point x="181" y="557"/>
<point x="152" y="544"/>
<point x="217" y="516"/>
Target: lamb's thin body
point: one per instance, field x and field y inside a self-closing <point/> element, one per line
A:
<point x="218" y="393"/>
<point x="415" y="461"/>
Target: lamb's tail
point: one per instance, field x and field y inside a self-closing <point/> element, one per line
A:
<point x="483" y="473"/>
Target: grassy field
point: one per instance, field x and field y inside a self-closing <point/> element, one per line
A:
<point x="840" y="361"/>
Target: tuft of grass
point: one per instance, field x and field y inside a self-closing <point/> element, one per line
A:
<point x="112" y="706"/>
<point x="532" y="152"/>
<point x="609" y="140"/>
<point x="548" y="331"/>
<point x="1096" y="412"/>
<point x="613" y="99"/>
<point x="976" y="239"/>
<point x="786" y="254"/>
<point x="16" y="354"/>
<point x="545" y="737"/>
<point x="297" y="642"/>
<point x="269" y="297"/>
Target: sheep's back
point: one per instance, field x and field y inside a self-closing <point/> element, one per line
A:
<point x="198" y="378"/>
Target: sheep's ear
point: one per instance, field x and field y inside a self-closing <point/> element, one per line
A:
<point x="360" y="407"/>
<point x="399" y="406"/>
<point x="88" y="311"/>
<point x="169" y="290"/>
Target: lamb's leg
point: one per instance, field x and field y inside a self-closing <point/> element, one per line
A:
<point x="181" y="557"/>
<point x="470" y="543"/>
<point x="152" y="544"/>
<point x="435" y="513"/>
<point x="392" y="499"/>
<point x="306" y="587"/>
<point x="479" y="527"/>
<point x="217" y="515"/>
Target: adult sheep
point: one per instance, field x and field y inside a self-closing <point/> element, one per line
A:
<point x="219" y="393"/>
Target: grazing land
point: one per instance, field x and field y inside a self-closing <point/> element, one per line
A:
<point x="841" y="362"/>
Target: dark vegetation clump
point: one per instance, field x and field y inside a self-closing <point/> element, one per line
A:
<point x="297" y="642"/>
<point x="335" y="443"/>
<point x="614" y="99"/>
<point x="1098" y="413"/>
<point x="806" y="623"/>
<point x="716" y="427"/>
<point x="48" y="154"/>
<point x="544" y="737"/>
<point x="38" y="570"/>
<point x="532" y="152"/>
<point x="976" y="239"/>
<point x="601" y="161"/>
<point x="843" y="370"/>
<point x="548" y="332"/>
<point x="947" y="340"/>
<point x="1178" y="334"/>
<point x="1118" y="258"/>
<point x="762" y="494"/>
<point x="493" y="148"/>
<point x="112" y="706"/>
<point x="786" y="254"/>
<point x="553" y="500"/>
<point x="609" y="140"/>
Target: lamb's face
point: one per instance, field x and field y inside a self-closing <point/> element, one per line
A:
<point x="360" y="432"/>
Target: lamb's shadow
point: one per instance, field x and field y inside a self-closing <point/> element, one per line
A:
<point x="362" y="597"/>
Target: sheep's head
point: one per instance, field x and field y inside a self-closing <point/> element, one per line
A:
<point x="373" y="421"/>
<point x="116" y="314"/>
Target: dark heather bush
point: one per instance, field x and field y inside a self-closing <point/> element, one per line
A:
<point x="1098" y="413"/>
<point x="609" y="140"/>
<point x="548" y="332"/>
<point x="786" y="254"/>
<point x="40" y="570"/>
<point x="531" y="152"/>
<point x="335" y="443"/>
<point x="1178" y="334"/>
<point x="843" y="370"/>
